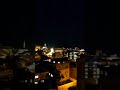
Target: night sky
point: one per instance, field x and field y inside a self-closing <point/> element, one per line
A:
<point x="61" y="23"/>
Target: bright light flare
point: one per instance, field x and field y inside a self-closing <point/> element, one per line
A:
<point x="35" y="82"/>
<point x="36" y="76"/>
<point x="51" y="52"/>
<point x="82" y="50"/>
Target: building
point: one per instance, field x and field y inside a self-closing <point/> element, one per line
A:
<point x="5" y="51"/>
<point x="58" y="53"/>
<point x="63" y="66"/>
<point x="37" y="47"/>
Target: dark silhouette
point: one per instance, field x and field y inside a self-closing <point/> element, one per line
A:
<point x="42" y="66"/>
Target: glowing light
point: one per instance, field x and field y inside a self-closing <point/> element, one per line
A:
<point x="82" y="50"/>
<point x="36" y="76"/>
<point x="51" y="52"/>
<point x="42" y="81"/>
<point x="36" y="83"/>
<point x="51" y="75"/>
<point x="43" y="47"/>
<point x="53" y="61"/>
<point x="58" y="62"/>
<point x="49" y="60"/>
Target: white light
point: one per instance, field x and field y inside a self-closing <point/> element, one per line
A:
<point x="52" y="50"/>
<point x="53" y="61"/>
<point x="49" y="60"/>
<point x="36" y="83"/>
<point x="36" y="76"/>
<point x="82" y="50"/>
<point x="58" y="62"/>
<point x="51" y="75"/>
<point x="42" y="81"/>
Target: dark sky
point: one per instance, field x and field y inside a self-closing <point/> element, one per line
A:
<point x="16" y="22"/>
<point x="83" y="23"/>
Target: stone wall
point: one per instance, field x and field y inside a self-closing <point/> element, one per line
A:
<point x="64" y="70"/>
<point x="73" y="73"/>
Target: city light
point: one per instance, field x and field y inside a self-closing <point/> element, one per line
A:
<point x="36" y="76"/>
<point x="37" y="48"/>
<point x="42" y="81"/>
<point x="51" y="75"/>
<point x="35" y="82"/>
<point x="51" y="52"/>
<point x="58" y="62"/>
<point x="53" y="61"/>
<point x="82" y="50"/>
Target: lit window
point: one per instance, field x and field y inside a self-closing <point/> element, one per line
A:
<point x="51" y="75"/>
<point x="49" y="60"/>
<point x="42" y="81"/>
<point x="58" y="62"/>
<point x="36" y="83"/>
<point x="36" y="76"/>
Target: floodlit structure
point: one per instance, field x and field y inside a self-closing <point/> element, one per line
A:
<point x="38" y="47"/>
<point x="51" y="52"/>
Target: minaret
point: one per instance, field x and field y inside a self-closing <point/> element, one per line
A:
<point x="24" y="44"/>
